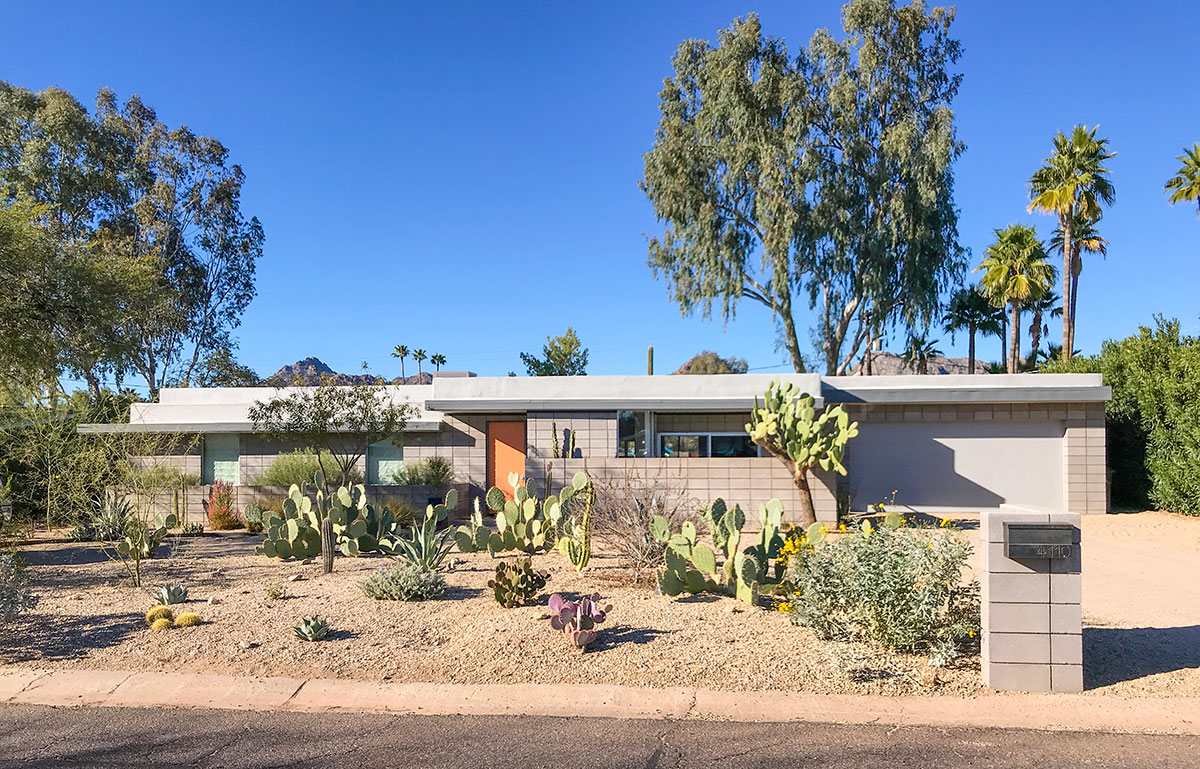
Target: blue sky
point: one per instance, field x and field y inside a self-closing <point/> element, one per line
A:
<point x="463" y="176"/>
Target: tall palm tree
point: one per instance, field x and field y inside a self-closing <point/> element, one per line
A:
<point x="1084" y="237"/>
<point x="1015" y="271"/>
<point x="920" y="349"/>
<point x="438" y="360"/>
<point x="1186" y="182"/>
<point x="418" y="356"/>
<point x="400" y="352"/>
<point x="1073" y="182"/>
<point x="971" y="311"/>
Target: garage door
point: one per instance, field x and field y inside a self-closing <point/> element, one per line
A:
<point x="957" y="466"/>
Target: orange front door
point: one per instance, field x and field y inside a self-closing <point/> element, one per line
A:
<point x="506" y="454"/>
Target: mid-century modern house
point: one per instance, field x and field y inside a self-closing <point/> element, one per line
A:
<point x="954" y="443"/>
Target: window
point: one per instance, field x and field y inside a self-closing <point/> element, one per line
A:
<point x="684" y="445"/>
<point x="384" y="460"/>
<point x="723" y="445"/>
<point x="631" y="433"/>
<point x="221" y="454"/>
<point x="732" y="446"/>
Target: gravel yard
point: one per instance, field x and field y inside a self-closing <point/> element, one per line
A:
<point x="89" y="618"/>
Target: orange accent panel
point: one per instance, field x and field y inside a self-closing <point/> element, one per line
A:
<point x="506" y="453"/>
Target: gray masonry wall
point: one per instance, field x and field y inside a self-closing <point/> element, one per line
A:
<point x="1032" y="621"/>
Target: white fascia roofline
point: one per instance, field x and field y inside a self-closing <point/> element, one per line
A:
<point x="214" y="427"/>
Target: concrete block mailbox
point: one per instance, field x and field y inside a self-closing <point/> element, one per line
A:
<point x="1031" y="600"/>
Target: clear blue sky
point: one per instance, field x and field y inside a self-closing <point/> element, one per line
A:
<point x="463" y="176"/>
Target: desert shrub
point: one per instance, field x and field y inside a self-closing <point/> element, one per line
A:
<point x="1153" y="418"/>
<point x="622" y="512"/>
<point x="404" y="581"/>
<point x="299" y="467"/>
<point x="222" y="514"/>
<point x="15" y="596"/>
<point x="431" y="471"/>
<point x="901" y="588"/>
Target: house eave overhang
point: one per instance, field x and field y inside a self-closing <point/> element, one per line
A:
<point x="498" y="405"/>
<point x="967" y="389"/>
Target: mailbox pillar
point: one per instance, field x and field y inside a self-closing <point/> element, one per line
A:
<point x="1031" y="601"/>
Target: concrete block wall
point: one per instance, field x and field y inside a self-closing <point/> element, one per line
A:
<point x="668" y="422"/>
<point x="462" y="439"/>
<point x="747" y="482"/>
<point x="595" y="433"/>
<point x="1031" y="611"/>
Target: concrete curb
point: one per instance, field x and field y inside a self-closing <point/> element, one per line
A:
<point x="103" y="688"/>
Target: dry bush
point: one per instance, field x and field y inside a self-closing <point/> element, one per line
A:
<point x="623" y="509"/>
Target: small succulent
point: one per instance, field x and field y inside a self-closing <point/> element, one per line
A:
<point x="188" y="619"/>
<point x="168" y="595"/>
<point x="312" y="629"/>
<point x="517" y="584"/>
<point x="577" y="619"/>
<point x="193" y="528"/>
<point x="161" y="624"/>
<point x="276" y="590"/>
<point x="159" y="612"/>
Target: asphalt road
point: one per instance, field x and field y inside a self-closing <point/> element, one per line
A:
<point x="34" y="736"/>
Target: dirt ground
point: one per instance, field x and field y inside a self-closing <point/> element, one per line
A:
<point x="1141" y="605"/>
<point x="89" y="618"/>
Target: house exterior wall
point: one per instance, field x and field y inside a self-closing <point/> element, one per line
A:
<point x="1076" y="472"/>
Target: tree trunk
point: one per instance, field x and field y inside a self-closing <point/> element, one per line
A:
<point x="1035" y="334"/>
<point x="971" y="350"/>
<point x="1068" y="318"/>
<point x="1014" y="335"/>
<point x="1076" y="268"/>
<point x="791" y="342"/>
<point x="1004" y="341"/>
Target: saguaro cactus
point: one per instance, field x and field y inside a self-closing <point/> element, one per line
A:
<point x="788" y="426"/>
<point x="327" y="544"/>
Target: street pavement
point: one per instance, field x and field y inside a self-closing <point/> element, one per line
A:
<point x="35" y="736"/>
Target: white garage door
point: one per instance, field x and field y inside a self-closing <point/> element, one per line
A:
<point x="957" y="466"/>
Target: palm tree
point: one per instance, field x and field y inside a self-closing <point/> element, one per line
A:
<point x="1046" y="305"/>
<point x="1073" y="182"/>
<point x="1186" y="182"/>
<point x="418" y="356"/>
<point x="438" y="360"/>
<point x="1084" y="237"/>
<point x="970" y="311"/>
<point x="1015" y="271"/>
<point x="400" y="352"/>
<point x="919" y="351"/>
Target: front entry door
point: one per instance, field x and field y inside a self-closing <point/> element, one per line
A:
<point x="506" y="453"/>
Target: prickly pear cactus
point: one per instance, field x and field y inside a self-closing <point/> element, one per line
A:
<point x="517" y="583"/>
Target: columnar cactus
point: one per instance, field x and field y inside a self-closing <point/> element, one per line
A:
<point x="787" y="425"/>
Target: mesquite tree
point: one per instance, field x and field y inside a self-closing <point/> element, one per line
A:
<point x="787" y="425"/>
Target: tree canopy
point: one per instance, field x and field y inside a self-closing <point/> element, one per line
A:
<point x="561" y="356"/>
<point x="826" y="175"/>
<point x="140" y="256"/>
<point x="708" y="362"/>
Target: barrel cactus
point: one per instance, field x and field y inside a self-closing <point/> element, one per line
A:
<point x="161" y="624"/>
<point x="159" y="612"/>
<point x="188" y="619"/>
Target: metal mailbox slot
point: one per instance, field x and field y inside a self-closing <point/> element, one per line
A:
<point x="1055" y="541"/>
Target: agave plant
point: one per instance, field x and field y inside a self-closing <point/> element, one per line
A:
<point x="577" y="619"/>
<point x="312" y="629"/>
<point x="168" y="595"/>
<point x="425" y="546"/>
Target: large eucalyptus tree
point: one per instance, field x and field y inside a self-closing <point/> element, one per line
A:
<point x="824" y="176"/>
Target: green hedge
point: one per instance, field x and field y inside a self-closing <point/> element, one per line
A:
<point x="1153" y="419"/>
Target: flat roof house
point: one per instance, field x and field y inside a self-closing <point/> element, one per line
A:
<point x="954" y="443"/>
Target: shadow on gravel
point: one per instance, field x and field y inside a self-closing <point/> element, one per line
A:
<point x="616" y="635"/>
<point x="38" y="637"/>
<point x="1113" y="654"/>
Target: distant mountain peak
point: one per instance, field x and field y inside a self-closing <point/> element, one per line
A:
<point x="309" y="372"/>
